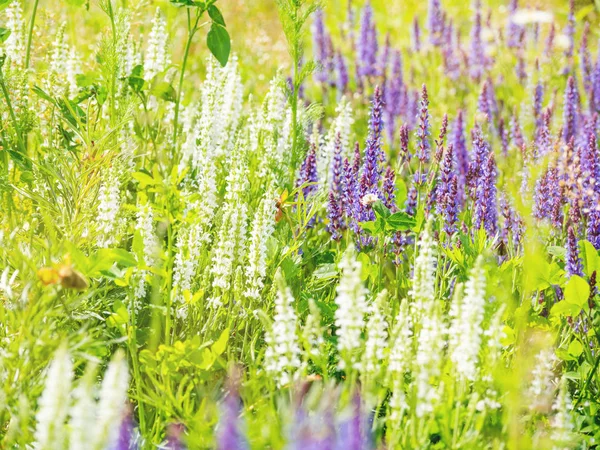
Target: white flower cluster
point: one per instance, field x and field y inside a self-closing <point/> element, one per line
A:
<point x="376" y="342"/>
<point x="282" y="356"/>
<point x="542" y="376"/>
<point x="63" y="66"/>
<point x="424" y="277"/>
<point x="351" y="309"/>
<point x="263" y="226"/>
<point x="14" y="46"/>
<point x="465" y="334"/>
<point x="157" y="57"/>
<point x="93" y="425"/>
<point x="109" y="198"/>
<point x="562" y="432"/>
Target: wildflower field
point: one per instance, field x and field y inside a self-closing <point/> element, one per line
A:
<point x="299" y="224"/>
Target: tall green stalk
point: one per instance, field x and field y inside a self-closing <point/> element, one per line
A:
<point x="30" y="34"/>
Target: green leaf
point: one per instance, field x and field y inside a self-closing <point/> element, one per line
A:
<point x="76" y="2"/>
<point x="216" y="15"/>
<point x="219" y="43"/>
<point x="4" y="34"/>
<point x="164" y="91"/>
<point x="144" y="179"/>
<point x="591" y="260"/>
<point x="136" y="80"/>
<point x="575" y="348"/>
<point x="564" y="309"/>
<point x="219" y="347"/>
<point x="369" y="226"/>
<point x="577" y="291"/>
<point x="381" y="210"/>
<point x="400" y="221"/>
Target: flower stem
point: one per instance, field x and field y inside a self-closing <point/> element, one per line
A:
<point x="30" y="34"/>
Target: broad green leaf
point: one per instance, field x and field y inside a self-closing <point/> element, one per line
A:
<point x="219" y="43"/>
<point x="400" y="221"/>
<point x="575" y="348"/>
<point x="590" y="258"/>
<point x="577" y="291"/>
<point x="564" y="309"/>
<point x="368" y="226"/>
<point x="144" y="179"/>
<point x="381" y="210"/>
<point x="219" y="347"/>
<point x="4" y="34"/>
<point x="216" y="15"/>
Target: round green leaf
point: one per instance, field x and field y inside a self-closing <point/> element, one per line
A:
<point x="577" y="291"/>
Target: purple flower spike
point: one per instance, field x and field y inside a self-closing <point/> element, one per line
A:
<point x="450" y="207"/>
<point x="321" y="47"/>
<point x="416" y="36"/>
<point x="513" y="30"/>
<point x="486" y="208"/>
<point x="477" y="57"/>
<point x="308" y="173"/>
<point x="569" y="31"/>
<point x="435" y="23"/>
<point x="127" y="437"/>
<point x="410" y="206"/>
<point x="353" y="433"/>
<point x="373" y="154"/>
<point x="175" y="433"/>
<point x="549" y="48"/>
<point x="393" y="95"/>
<point x="570" y="111"/>
<point x="367" y="44"/>
<point x="573" y="264"/>
<point x="423" y="131"/>
<point x="445" y="177"/>
<point x="593" y="226"/>
<point x="480" y="154"/>
<point x="461" y="154"/>
<point x="337" y="168"/>
<point x="404" y="138"/>
<point x="335" y="215"/>
<point x="586" y="58"/>
<point x="389" y="188"/>
<point x="342" y="73"/>
<point x="384" y="57"/>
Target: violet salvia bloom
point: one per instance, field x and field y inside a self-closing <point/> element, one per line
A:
<point x="356" y="162"/>
<point x="384" y="57"/>
<point x="321" y="47"/>
<point x="353" y="433"/>
<point x="512" y="224"/>
<point x="459" y="142"/>
<point x="483" y="105"/>
<point x="449" y="203"/>
<point x="416" y="36"/>
<point x="435" y="22"/>
<point x="175" y="433"/>
<point x="350" y="196"/>
<point x="393" y="93"/>
<point x="127" y="439"/>
<point x="404" y="138"/>
<point x="503" y="136"/>
<point x="586" y="58"/>
<point x="513" y="30"/>
<point x="424" y="129"/>
<point x="230" y="432"/>
<point x="337" y="168"/>
<point x="371" y="172"/>
<point x="573" y="264"/>
<point x="335" y="216"/>
<point x="342" y="73"/>
<point x="477" y="57"/>
<point x="516" y="134"/>
<point x="308" y="173"/>
<point x="569" y="31"/>
<point x="590" y="170"/>
<point x="477" y="162"/>
<point x="542" y="207"/>
<point x="595" y="88"/>
<point x="410" y="207"/>
<point x="445" y="177"/>
<point x="389" y="188"/>
<point x="367" y="44"/>
<point x="593" y="226"/>
<point x="486" y="207"/>
<point x="549" y="47"/>
<point x="557" y="198"/>
<point x="543" y="136"/>
<point x="538" y="100"/>
<point x="570" y="111"/>
<point x="449" y="52"/>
